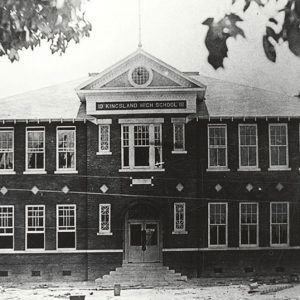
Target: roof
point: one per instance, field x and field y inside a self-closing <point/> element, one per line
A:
<point x="223" y="100"/>
<point x="227" y="99"/>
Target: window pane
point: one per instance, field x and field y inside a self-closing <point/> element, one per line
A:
<point x="222" y="157"/>
<point x="151" y="234"/>
<point x="6" y="242"/>
<point x="253" y="233"/>
<point x="126" y="157"/>
<point x="141" y="156"/>
<point x="35" y="241"/>
<point x="222" y="235"/>
<point x="244" y="234"/>
<point x="66" y="240"/>
<point x="135" y="234"/>
<point x="213" y="235"/>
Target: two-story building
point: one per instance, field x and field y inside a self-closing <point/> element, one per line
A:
<point x="144" y="163"/>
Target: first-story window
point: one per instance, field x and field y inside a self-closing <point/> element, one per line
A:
<point x="217" y="223"/>
<point x="104" y="139"/>
<point x="6" y="149"/>
<point x="178" y="134"/>
<point x="6" y="227"/>
<point x="104" y="219"/>
<point x="35" y="148"/>
<point x="66" y="148"/>
<point x="279" y="223"/>
<point x="35" y="227"/>
<point x="248" y="224"/>
<point x="66" y="226"/>
<point x="278" y="139"/>
<point x="141" y="146"/>
<point x="179" y="217"/>
<point x="217" y="146"/>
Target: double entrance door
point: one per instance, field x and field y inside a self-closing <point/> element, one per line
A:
<point x="143" y="241"/>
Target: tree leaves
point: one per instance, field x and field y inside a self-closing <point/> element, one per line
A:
<point x="24" y="23"/>
<point x="217" y="36"/>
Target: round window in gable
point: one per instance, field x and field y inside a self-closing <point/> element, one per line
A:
<point x="140" y="76"/>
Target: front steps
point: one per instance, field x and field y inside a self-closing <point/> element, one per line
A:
<point x="141" y="275"/>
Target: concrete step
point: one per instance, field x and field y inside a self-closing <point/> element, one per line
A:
<point x="121" y="277"/>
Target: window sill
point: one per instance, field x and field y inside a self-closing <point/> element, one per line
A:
<point x="279" y="245"/>
<point x="35" y="250"/>
<point x="32" y="172"/>
<point x="248" y="246"/>
<point x="279" y="169"/>
<point x="217" y="247"/>
<point x="7" y="172"/>
<point x="65" y="249"/>
<point x="104" y="233"/>
<point x="248" y="169"/>
<point x="140" y="170"/>
<point x="66" y="172"/>
<point x="104" y="153"/>
<point x="220" y="169"/>
<point x="179" y="232"/>
<point x="179" y="152"/>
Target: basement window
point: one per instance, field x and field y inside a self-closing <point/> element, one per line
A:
<point x="3" y="273"/>
<point x="35" y="273"/>
<point x="66" y="273"/>
<point x="6" y="227"/>
<point x="66" y="226"/>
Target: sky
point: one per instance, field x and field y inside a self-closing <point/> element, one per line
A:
<point x="172" y="31"/>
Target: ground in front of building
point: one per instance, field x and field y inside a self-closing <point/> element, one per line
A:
<point x="209" y="289"/>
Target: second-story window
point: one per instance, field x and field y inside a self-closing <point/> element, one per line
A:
<point x="217" y="146"/>
<point x="66" y="148"/>
<point x="6" y="149"/>
<point x="278" y="140"/>
<point x="248" y="146"/>
<point x="35" y="148"/>
<point x="141" y="146"/>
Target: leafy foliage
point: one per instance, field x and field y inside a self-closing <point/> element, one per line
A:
<point x="24" y="23"/>
<point x="219" y="32"/>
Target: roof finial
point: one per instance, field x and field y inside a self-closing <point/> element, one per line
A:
<point x="140" y="25"/>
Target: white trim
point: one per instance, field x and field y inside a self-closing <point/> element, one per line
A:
<point x="108" y="231"/>
<point x="34" y="171"/>
<point x="248" y="168"/>
<point x="141" y="170"/>
<point x="279" y="167"/>
<point x="9" y="171"/>
<point x="283" y="245"/>
<point x="103" y="233"/>
<point x="179" y="120"/>
<point x="216" y="168"/>
<point x="141" y="121"/>
<point x="179" y="152"/>
<point x="13" y="228"/>
<point x="226" y="226"/>
<point x="179" y="232"/>
<point x="104" y="121"/>
<point x="65" y="170"/>
<point x="66" y="230"/>
<point x="175" y="230"/>
<point x="231" y="249"/>
<point x="35" y="232"/>
<point x="257" y="225"/>
<point x="103" y="152"/>
<point x="132" y="69"/>
<point x="62" y="251"/>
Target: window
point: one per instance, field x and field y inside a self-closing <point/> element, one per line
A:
<point x="248" y="224"/>
<point x="279" y="223"/>
<point x="6" y="227"/>
<point x="66" y="226"/>
<point x="66" y="148"/>
<point x="104" y="219"/>
<point x="179" y="218"/>
<point x="35" y="148"/>
<point x="248" y="146"/>
<point x="278" y="146"/>
<point x="140" y="76"/>
<point x="35" y="227"/>
<point x="141" y="146"/>
<point x="217" y="222"/>
<point x="104" y="139"/>
<point x="6" y="149"/>
<point x="217" y="147"/>
<point x="178" y="135"/>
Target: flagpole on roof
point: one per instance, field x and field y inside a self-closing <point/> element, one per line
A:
<point x="140" y="25"/>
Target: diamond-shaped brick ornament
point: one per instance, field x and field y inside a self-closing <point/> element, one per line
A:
<point x="218" y="187"/>
<point x="65" y="190"/>
<point x="3" y="190"/>
<point x="179" y="187"/>
<point x="279" y="187"/>
<point x="104" y="189"/>
<point x="35" y="190"/>
<point x="249" y="187"/>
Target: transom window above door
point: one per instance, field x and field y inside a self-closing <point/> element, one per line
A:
<point x="142" y="147"/>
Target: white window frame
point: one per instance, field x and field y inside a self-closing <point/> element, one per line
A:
<point x="226" y="226"/>
<point x="131" y="167"/>
<point x="37" y="170"/>
<point x="102" y="231"/>
<point x="9" y="171"/>
<point x="279" y="167"/>
<point x="288" y="225"/>
<point x="34" y="231"/>
<point x="8" y="227"/>
<point x="101" y="151"/>
<point x="179" y="230"/>
<point x="248" y="168"/>
<point x="179" y="122"/>
<point x="217" y="168"/>
<point x="240" y="225"/>
<point x="65" y="170"/>
<point x="66" y="230"/>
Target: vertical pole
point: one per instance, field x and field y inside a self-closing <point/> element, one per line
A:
<point x="140" y="25"/>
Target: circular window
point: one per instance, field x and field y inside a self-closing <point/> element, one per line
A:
<point x="140" y="76"/>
